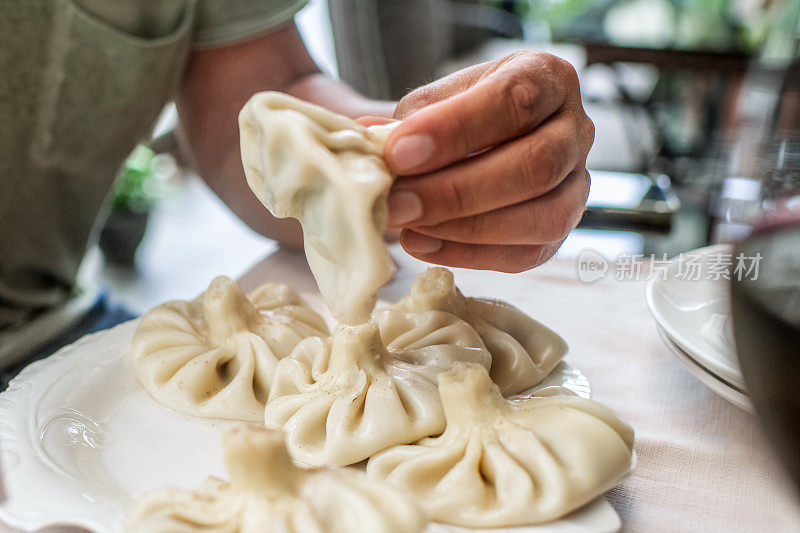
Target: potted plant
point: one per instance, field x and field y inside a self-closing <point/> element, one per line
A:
<point x="135" y="192"/>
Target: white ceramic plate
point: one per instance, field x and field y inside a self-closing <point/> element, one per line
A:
<point x="80" y="440"/>
<point x="695" y="313"/>
<point x="731" y="393"/>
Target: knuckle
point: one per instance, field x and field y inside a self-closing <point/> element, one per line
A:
<point x="416" y="99"/>
<point x="560" y="68"/>
<point x="551" y="66"/>
<point x="523" y="258"/>
<point x="521" y="93"/>
<point x="530" y="58"/>
<point x="575" y="214"/>
<point x="528" y="172"/>
<point x="565" y="225"/>
<point x="552" y="227"/>
<point x="468" y="136"/>
<point x="567" y="70"/>
<point x="557" y="225"/>
<point x="540" y="166"/>
<point x="550" y="162"/>
<point x="476" y="226"/>
<point x="552" y="62"/>
<point x="561" y="73"/>
<point x="455" y="200"/>
<point x="523" y="57"/>
<point x="532" y="256"/>
<point x="587" y="187"/>
<point x="589" y="130"/>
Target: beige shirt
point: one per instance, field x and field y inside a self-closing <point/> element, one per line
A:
<point x="81" y="82"/>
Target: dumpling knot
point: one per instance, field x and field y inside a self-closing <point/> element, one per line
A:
<point x="227" y="310"/>
<point x="467" y="393"/>
<point x="257" y="461"/>
<point x="435" y="289"/>
<point x="357" y="345"/>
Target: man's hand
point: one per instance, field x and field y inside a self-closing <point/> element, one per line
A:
<point x="492" y="164"/>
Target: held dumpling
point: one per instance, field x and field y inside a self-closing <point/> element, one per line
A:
<point x="342" y="399"/>
<point x="267" y="493"/>
<point x="215" y="356"/>
<point x="325" y="170"/>
<point x="523" y="351"/>
<point x="507" y="463"/>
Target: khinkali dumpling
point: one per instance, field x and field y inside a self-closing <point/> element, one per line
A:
<point x="523" y="350"/>
<point x="431" y="338"/>
<point x="215" y="356"/>
<point x="506" y="463"/>
<point x="342" y="399"/>
<point x="268" y="494"/>
<point x="325" y="170"/>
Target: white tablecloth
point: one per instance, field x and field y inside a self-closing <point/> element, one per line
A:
<point x="703" y="464"/>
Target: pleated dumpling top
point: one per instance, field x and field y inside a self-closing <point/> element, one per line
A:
<point x="215" y="356"/>
<point x="523" y="350"/>
<point x="342" y="400"/>
<point x="503" y="463"/>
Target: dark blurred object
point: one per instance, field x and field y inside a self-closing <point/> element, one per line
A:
<point x="784" y="177"/>
<point x="691" y="101"/>
<point x="761" y="162"/>
<point x="386" y="48"/>
<point x="121" y="236"/>
<point x="134" y="194"/>
<point x="704" y="26"/>
<point x="766" y="325"/>
<point x="706" y="54"/>
<point x="630" y="202"/>
<point x="683" y="60"/>
<point x="766" y="305"/>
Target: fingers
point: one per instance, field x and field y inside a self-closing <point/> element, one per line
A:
<point x="370" y="120"/>
<point x="443" y="88"/>
<point x="494" y="163"/>
<point x="512" y="100"/>
<point x="507" y="175"/>
<point x="476" y="256"/>
<point x="542" y="220"/>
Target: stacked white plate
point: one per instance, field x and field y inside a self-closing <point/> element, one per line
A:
<point x="690" y="301"/>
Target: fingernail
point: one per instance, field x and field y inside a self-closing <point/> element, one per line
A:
<point x="421" y="244"/>
<point x="404" y="207"/>
<point x="411" y="151"/>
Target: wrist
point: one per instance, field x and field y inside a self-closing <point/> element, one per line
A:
<point x="320" y="89"/>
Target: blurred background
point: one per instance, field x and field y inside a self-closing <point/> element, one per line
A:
<point x="696" y="105"/>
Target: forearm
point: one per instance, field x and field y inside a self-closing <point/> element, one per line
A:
<point x="237" y="195"/>
<point x="217" y="84"/>
<point x="214" y="156"/>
